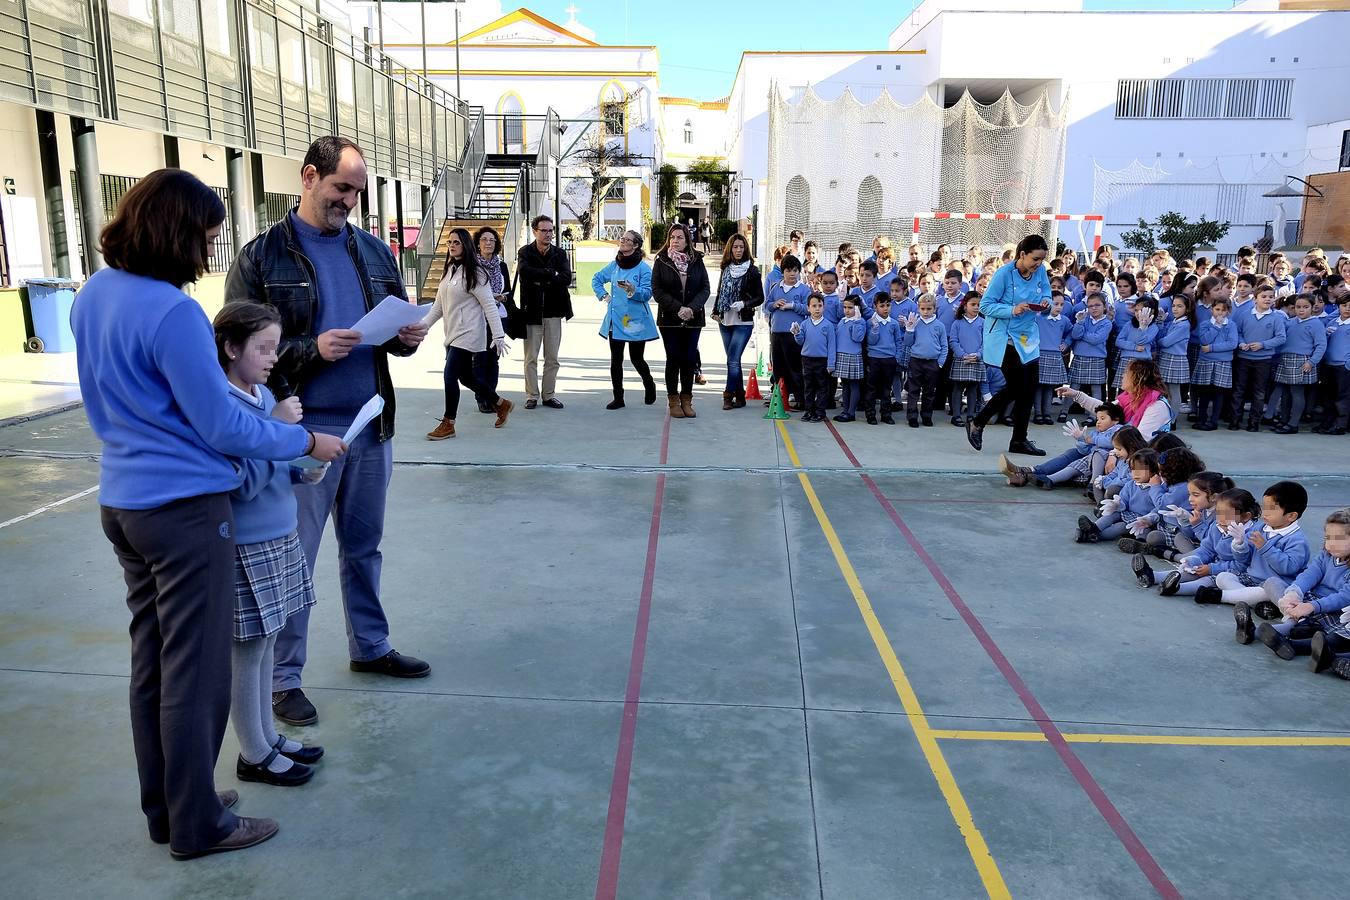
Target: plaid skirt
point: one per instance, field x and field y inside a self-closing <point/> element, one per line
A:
<point x="271" y="584"/>
<point x="1331" y="623"/>
<point x="1213" y="373"/>
<point x="848" y="366"/>
<point x="1087" y="370"/>
<point x="1176" y="369"/>
<point x="1052" y="369"/>
<point x="1291" y="370"/>
<point x="967" y="371"/>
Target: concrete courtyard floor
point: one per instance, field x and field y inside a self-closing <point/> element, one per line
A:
<point x="701" y="659"/>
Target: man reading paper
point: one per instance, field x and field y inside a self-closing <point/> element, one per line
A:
<point x="323" y="276"/>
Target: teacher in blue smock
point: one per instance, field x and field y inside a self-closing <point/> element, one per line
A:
<point x="1017" y="293"/>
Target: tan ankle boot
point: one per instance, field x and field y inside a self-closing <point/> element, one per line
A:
<point x="687" y="404"/>
<point x="446" y="429"/>
<point x="676" y="410"/>
<point x="728" y="400"/>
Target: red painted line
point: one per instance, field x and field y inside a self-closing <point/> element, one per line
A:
<point x="945" y="500"/>
<point x="1135" y="847"/>
<point x="607" y="883"/>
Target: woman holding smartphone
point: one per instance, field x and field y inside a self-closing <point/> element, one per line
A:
<point x="1018" y="293"/>
<point x="625" y="285"/>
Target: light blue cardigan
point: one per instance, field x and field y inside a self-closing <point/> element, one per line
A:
<point x="630" y="318"/>
<point x="1007" y="289"/>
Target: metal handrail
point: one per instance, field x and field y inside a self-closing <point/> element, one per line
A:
<point x="433" y="219"/>
<point x="514" y="233"/>
<point x="472" y="161"/>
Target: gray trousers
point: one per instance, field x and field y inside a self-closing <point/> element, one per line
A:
<point x="178" y="563"/>
<point x="353" y="492"/>
<point x="547" y="337"/>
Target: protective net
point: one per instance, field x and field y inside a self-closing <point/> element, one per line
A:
<point x="843" y="170"/>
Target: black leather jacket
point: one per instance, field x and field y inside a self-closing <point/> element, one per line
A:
<point x="272" y="269"/>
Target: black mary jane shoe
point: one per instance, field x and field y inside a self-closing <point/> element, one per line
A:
<point x="296" y="775"/>
<point x="307" y="754"/>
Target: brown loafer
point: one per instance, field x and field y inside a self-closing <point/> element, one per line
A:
<point x="446" y="429"/>
<point x="504" y="408"/>
<point x="248" y="833"/>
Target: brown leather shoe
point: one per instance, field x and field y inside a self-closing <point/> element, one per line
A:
<point x="727" y="400"/>
<point x="687" y="404"/>
<point x="676" y="410"/>
<point x="446" y="429"/>
<point x="504" y="408"/>
<point x="248" y="833"/>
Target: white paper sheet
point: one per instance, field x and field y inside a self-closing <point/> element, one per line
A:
<point x="383" y="322"/>
<point x="374" y="406"/>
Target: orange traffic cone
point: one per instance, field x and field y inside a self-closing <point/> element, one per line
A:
<point x="752" y="388"/>
<point x="783" y="392"/>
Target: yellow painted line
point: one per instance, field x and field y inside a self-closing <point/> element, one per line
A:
<point x="979" y="851"/>
<point x="1174" y="740"/>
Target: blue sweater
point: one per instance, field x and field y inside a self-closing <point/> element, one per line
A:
<point x="1216" y="550"/>
<point x="1338" y="342"/>
<point x="780" y="320"/>
<point x="1131" y="338"/>
<point x="1268" y="331"/>
<point x="834" y="309"/>
<point x="156" y="396"/>
<point x="1055" y="332"/>
<point x="336" y="390"/>
<point x="849" y="335"/>
<point x="869" y="298"/>
<point x="966" y="337"/>
<point x="1137" y="499"/>
<point x="1327" y="579"/>
<point x="1306" y="337"/>
<point x="949" y="310"/>
<point x="928" y="340"/>
<point x="1175" y="338"/>
<point x="1282" y="556"/>
<point x="817" y="340"/>
<point x="264" y="504"/>
<point x="1169" y="495"/>
<point x="1090" y="336"/>
<point x="1221" y="340"/>
<point x="884" y="339"/>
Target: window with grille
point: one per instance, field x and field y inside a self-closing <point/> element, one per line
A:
<point x="1204" y="98"/>
<point x="688" y="131"/>
<point x="614" y="112"/>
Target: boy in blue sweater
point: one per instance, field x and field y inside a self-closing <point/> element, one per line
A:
<point x="926" y="341"/>
<point x="1313" y="605"/>
<point x="1261" y="333"/>
<point x="1272" y="555"/>
<point x="885" y="345"/>
<point x="815" y="337"/>
<point x="1336" y="374"/>
<point x="868" y="289"/>
<point x="785" y="305"/>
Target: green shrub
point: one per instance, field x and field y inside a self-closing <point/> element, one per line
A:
<point x="723" y="229"/>
<point x="658" y="236"/>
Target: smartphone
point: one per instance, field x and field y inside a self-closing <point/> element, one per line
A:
<point x="624" y="284"/>
<point x="1038" y="307"/>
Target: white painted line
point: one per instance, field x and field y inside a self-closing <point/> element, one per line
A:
<point x="42" y="509"/>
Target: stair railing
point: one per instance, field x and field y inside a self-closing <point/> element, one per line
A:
<point x="471" y="162"/>
<point x="433" y="220"/>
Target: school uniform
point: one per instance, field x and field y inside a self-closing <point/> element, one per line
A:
<point x="1089" y="337"/>
<point x="1055" y="331"/>
<point x="1279" y="560"/>
<point x="1336" y="376"/>
<point x="1128" y="342"/>
<point x="1251" y="374"/>
<point x="1324" y="583"/>
<point x="1136" y="500"/>
<point x="1212" y="375"/>
<point x="784" y="352"/>
<point x="815" y="337"/>
<point x="966" y="337"/>
<point x="1169" y="495"/>
<point x="884" y="343"/>
<point x="868" y="299"/>
<point x="849" y="336"/>
<point x="1174" y="344"/>
<point x="927" y="345"/>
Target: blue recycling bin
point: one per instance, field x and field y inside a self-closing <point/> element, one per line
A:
<point x="49" y="303"/>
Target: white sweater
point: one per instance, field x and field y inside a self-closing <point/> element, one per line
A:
<point x="1155" y="417"/>
<point x="465" y="312"/>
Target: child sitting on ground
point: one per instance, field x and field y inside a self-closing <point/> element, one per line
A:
<point x="1126" y="442"/>
<point x="1081" y="462"/>
<point x="1312" y="605"/>
<point x="1215" y="557"/>
<point x="1271" y="556"/>
<point x="1160" y="531"/>
<point x="1136" y="498"/>
<point x="1202" y="493"/>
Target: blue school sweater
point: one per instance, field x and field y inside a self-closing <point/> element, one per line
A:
<point x="1216" y="550"/>
<point x="834" y="309"/>
<point x="849" y="335"/>
<point x="1138" y="499"/>
<point x="966" y="337"/>
<point x="1221" y="340"/>
<point x="884" y="281"/>
<point x="1132" y="337"/>
<point x="1203" y="313"/>
<point x="1169" y="495"/>
<point x="1268" y="331"/>
<point x="1196" y="533"/>
<point x="780" y="320"/>
<point x="884" y="339"/>
<point x="928" y="340"/>
<point x="1338" y="342"/>
<point x="264" y="504"/>
<point x="1176" y="338"/>
<point x="1054" y="332"/>
<point x="1282" y="555"/>
<point x="1306" y="337"/>
<point x="1090" y="336"/>
<point x="1123" y="315"/>
<point x="868" y="299"/>
<point x="1242" y="310"/>
<point x="1100" y="440"/>
<point x="156" y="397"/>
<point x="1329" y="579"/>
<point x="817" y="340"/>
<point x="949" y="310"/>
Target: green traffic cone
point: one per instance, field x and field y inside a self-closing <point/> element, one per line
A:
<point x="759" y="367"/>
<point x="776" y="410"/>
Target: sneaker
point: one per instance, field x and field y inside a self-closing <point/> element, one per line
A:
<point x="293" y="707"/>
<point x="1266" y="633"/>
<point x="1268" y="611"/>
<point x="1170" y="584"/>
<point x="1143" y="572"/>
<point x="393" y="664"/>
<point x="1131" y="546"/>
<point x="1242" y="618"/>
<point x="1323" y="657"/>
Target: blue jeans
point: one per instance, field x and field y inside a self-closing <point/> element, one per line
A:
<point x="1050" y="467"/>
<point x="354" y="492"/>
<point x="734" y="339"/>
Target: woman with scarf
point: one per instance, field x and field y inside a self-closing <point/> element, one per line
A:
<point x="1143" y="396"/>
<point x="680" y="287"/>
<point x="625" y="285"/>
<point x="485" y="366"/>
<point x="739" y="293"/>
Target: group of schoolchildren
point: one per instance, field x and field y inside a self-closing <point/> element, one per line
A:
<point x="1236" y="346"/>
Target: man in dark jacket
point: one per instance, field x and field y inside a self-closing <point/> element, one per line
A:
<point x="545" y="300"/>
<point x="323" y="275"/>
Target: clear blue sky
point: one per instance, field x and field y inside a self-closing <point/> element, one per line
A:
<point x="698" y="59"/>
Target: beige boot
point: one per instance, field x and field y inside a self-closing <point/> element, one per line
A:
<point x="676" y="410"/>
<point x="687" y="404"/>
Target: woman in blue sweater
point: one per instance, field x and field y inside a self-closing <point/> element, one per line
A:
<point x="161" y="405"/>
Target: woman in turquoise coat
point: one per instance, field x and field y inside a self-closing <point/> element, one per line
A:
<point x="625" y="286"/>
<point x="1017" y="293"/>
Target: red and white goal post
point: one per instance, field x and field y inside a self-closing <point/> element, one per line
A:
<point x="1096" y="220"/>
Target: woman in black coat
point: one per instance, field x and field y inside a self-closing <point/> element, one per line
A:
<point x="485" y="366"/>
<point x="680" y="288"/>
<point x="740" y="291"/>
